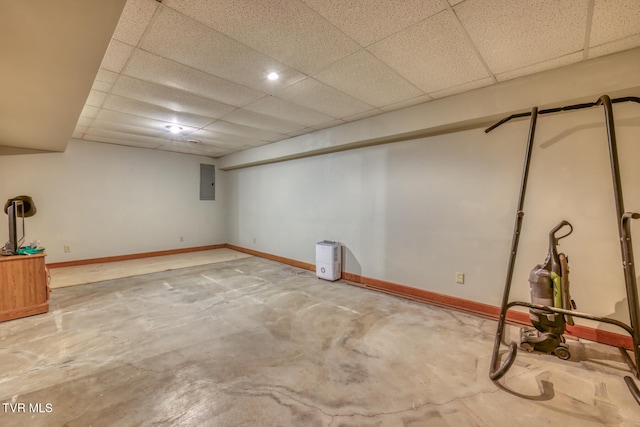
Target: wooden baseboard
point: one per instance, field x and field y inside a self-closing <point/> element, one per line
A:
<point x="283" y="260"/>
<point x="133" y="256"/>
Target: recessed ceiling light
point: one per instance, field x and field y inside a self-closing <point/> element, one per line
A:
<point x="273" y="76"/>
<point x="174" y="128"/>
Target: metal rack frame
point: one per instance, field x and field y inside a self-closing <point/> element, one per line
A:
<point x="498" y="370"/>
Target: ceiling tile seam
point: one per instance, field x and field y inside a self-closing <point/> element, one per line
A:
<point x="489" y="73"/>
<point x="235" y="108"/>
<point x="158" y="11"/>
<point x="471" y="43"/>
<point x="263" y="94"/>
<point x="153" y="19"/>
<point x="99" y="107"/>
<point x="90" y="126"/>
<point x="384" y="38"/>
<point x="434" y="95"/>
<point x="381" y="61"/>
<point x="243" y="125"/>
<point x="587" y="33"/>
<point x="633" y="36"/>
<point x="136" y="47"/>
<point x="276" y="93"/>
<point x="539" y="63"/>
<point x="258" y="52"/>
<point x="302" y="108"/>
<point x="362" y="48"/>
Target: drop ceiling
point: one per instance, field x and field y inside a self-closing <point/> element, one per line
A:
<point x="203" y="65"/>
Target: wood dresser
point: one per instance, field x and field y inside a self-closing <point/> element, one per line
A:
<point x="24" y="286"/>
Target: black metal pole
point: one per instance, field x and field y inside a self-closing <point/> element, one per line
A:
<point x="625" y="240"/>
<point x="497" y="371"/>
<point x="613" y="157"/>
<point x="626" y="245"/>
<point x="630" y="281"/>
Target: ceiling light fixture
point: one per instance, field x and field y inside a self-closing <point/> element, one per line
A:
<point x="174" y="128"/>
<point x="273" y="76"/>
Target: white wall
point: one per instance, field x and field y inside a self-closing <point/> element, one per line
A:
<point x="105" y="200"/>
<point x="417" y="212"/>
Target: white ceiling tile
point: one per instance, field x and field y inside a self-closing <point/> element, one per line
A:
<point x="197" y="149"/>
<point x="134" y="20"/>
<point x="360" y="116"/>
<point x="326" y="125"/>
<point x="325" y="99"/>
<point x="201" y="148"/>
<point x="256" y="144"/>
<point x="95" y="98"/>
<point x="614" y="20"/>
<point x="123" y="128"/>
<point x="407" y="103"/>
<point x="153" y="68"/>
<point x="169" y="98"/>
<point x="542" y="66"/>
<point x="140" y="125"/>
<point x="84" y="121"/>
<point x="287" y="30"/>
<point x="246" y="131"/>
<point x="465" y="87"/>
<point x="288" y="111"/>
<point x="106" y="76"/>
<point x="514" y="34"/>
<point x="365" y="77"/>
<point x="89" y="111"/>
<point x="120" y="138"/>
<point x="300" y="132"/>
<point x="617" y="46"/>
<point x="433" y="55"/>
<point x="116" y="57"/>
<point x="222" y="139"/>
<point x="152" y="111"/>
<point x="369" y="21"/>
<point x="249" y="118"/>
<point x="207" y="71"/>
<point x="101" y="86"/>
<point x="79" y="131"/>
<point x="184" y="40"/>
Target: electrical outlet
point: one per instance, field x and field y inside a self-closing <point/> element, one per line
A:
<point x="182" y="238"/>
<point x="67" y="249"/>
<point x="460" y="278"/>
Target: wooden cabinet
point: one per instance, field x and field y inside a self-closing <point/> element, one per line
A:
<point x="24" y="286"/>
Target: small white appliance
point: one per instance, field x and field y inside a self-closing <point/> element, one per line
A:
<point x="328" y="260"/>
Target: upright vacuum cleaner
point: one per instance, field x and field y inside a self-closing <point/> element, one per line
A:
<point x="550" y="308"/>
<point x="549" y="284"/>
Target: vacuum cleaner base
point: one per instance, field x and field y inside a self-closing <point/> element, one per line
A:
<point x="533" y="340"/>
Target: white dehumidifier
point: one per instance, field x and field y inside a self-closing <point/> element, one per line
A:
<point x="328" y="260"/>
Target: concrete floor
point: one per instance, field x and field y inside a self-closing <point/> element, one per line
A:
<point x="99" y="272"/>
<point x="251" y="342"/>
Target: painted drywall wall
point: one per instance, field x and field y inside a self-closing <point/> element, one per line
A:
<point x="417" y="212"/>
<point x="106" y="200"/>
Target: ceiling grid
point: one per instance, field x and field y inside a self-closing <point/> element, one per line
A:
<point x="203" y="65"/>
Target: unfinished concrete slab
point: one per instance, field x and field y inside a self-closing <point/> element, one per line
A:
<point x="257" y="343"/>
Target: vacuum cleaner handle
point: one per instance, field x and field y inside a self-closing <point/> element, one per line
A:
<point x="554" y="230"/>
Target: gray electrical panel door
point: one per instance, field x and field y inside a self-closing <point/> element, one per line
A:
<point x="207" y="182"/>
